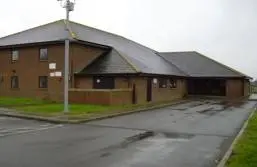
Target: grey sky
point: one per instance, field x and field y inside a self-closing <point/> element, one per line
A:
<point x="221" y="29"/>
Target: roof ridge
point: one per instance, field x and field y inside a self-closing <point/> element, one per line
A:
<point x="72" y="33"/>
<point x="172" y="64"/>
<point x="32" y="28"/>
<point x="112" y="34"/>
<point x="219" y="63"/>
<point x="106" y="53"/>
<point x="154" y="51"/>
<point x="95" y="28"/>
<point x="129" y="62"/>
<point x="178" y="52"/>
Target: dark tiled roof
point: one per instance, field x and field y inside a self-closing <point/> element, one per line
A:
<point x="126" y="56"/>
<point x="109" y="63"/>
<point x="50" y="32"/>
<point x="197" y="65"/>
<point x="143" y="59"/>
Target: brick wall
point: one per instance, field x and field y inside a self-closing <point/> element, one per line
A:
<point x="158" y="94"/>
<point x="246" y="87"/>
<point x="234" y="88"/>
<point x="169" y="94"/>
<point x="84" y="82"/>
<point x="102" y="97"/>
<point x="140" y="89"/>
<point x="28" y="68"/>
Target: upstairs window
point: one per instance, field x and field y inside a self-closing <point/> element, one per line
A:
<point x="162" y="83"/>
<point x="15" y="55"/>
<point x="43" y="82"/>
<point x="14" y="82"/>
<point x="43" y="55"/>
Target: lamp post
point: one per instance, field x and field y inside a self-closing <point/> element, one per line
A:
<point x="69" y="6"/>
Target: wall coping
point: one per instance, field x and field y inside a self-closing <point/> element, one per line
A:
<point x="99" y="90"/>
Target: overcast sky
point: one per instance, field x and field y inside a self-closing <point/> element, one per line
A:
<point x="225" y="30"/>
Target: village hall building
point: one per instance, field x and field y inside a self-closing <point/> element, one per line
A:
<point x="108" y="69"/>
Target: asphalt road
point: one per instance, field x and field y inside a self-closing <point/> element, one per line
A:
<point x="196" y="133"/>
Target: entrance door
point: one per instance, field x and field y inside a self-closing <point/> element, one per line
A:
<point x="149" y="90"/>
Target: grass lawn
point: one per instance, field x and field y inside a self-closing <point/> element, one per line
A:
<point x="245" y="151"/>
<point x="80" y="111"/>
<point x="55" y="109"/>
<point x="11" y="101"/>
<point x="77" y="111"/>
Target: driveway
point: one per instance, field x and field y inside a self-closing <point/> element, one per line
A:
<point x="196" y="133"/>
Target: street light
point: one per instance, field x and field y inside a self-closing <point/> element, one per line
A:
<point x="69" y="6"/>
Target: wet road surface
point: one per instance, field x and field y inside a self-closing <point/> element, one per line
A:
<point x="196" y="133"/>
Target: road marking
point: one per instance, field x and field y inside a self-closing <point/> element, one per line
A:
<point x="9" y="119"/>
<point x="31" y="130"/>
<point x="45" y="125"/>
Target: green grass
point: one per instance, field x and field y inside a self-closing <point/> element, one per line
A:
<point x="11" y="101"/>
<point x="80" y="111"/>
<point x="58" y="108"/>
<point x="43" y="108"/>
<point x="245" y="151"/>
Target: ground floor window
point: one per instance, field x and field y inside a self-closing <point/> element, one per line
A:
<point x="103" y="83"/>
<point x="162" y="83"/>
<point x="43" y="82"/>
<point x="172" y="83"/>
<point x="14" y="82"/>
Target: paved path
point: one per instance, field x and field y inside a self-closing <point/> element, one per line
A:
<point x="193" y="134"/>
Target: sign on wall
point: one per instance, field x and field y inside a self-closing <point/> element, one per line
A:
<point x="52" y="74"/>
<point x="155" y="81"/>
<point x="58" y="73"/>
<point x="52" y="66"/>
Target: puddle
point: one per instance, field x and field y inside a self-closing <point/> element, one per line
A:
<point x="154" y="149"/>
<point x="151" y="134"/>
<point x="148" y="135"/>
<point x="139" y="137"/>
<point x="175" y="135"/>
<point x="204" y="111"/>
<point x="228" y="104"/>
<point x="187" y="106"/>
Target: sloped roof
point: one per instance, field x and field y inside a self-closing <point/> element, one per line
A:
<point x="54" y="31"/>
<point x="126" y="56"/>
<point x="109" y="63"/>
<point x="197" y="65"/>
<point x="143" y="59"/>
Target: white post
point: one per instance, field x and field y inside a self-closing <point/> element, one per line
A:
<point x="66" y="77"/>
<point x="69" y="6"/>
<point x="66" y="61"/>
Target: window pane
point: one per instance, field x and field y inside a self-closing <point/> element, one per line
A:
<point x="103" y="83"/>
<point x="14" y="82"/>
<point x="173" y="83"/>
<point x="43" y="82"/>
<point x="43" y="54"/>
<point x="15" y="55"/>
<point x="162" y="83"/>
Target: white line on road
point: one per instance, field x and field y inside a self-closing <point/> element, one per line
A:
<point x="31" y="130"/>
<point x="45" y="125"/>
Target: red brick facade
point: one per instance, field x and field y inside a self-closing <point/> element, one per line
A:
<point x="28" y="68"/>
